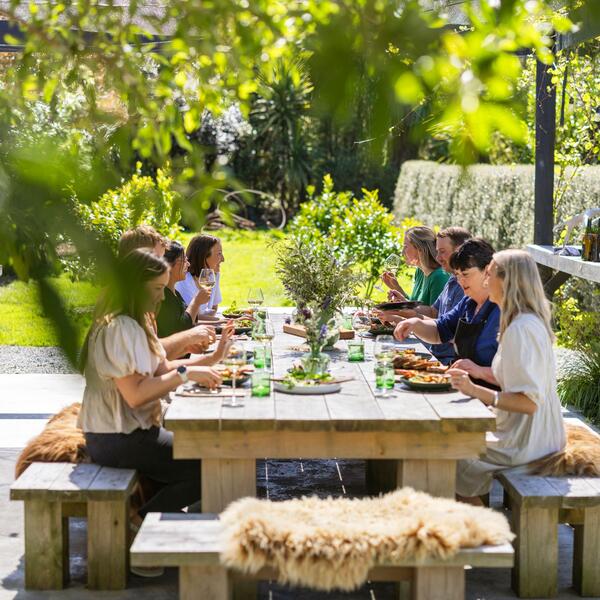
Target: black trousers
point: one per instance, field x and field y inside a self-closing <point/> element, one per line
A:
<point x="150" y="452"/>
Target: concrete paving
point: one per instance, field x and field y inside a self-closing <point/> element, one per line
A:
<point x="26" y="401"/>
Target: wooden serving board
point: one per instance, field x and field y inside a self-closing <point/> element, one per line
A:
<point x="300" y="331"/>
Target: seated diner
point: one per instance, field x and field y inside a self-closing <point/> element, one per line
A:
<point x="174" y="314"/>
<point x="529" y="422"/>
<point x="127" y="374"/>
<point x="429" y="279"/>
<point x="447" y="241"/>
<point x="203" y="252"/>
<point x="473" y="323"/>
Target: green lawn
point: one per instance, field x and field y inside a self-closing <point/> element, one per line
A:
<point x="249" y="261"/>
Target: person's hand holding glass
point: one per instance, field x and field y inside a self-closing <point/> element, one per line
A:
<point x="207" y="279"/>
<point x="361" y="322"/>
<point x="234" y="359"/>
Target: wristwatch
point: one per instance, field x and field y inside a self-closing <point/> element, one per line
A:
<point x="182" y="372"/>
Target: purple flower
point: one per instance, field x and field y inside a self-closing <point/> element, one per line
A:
<point x="323" y="333"/>
<point x="326" y="303"/>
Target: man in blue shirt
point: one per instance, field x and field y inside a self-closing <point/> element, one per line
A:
<point x="447" y="242"/>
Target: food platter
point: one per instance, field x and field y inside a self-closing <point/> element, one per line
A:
<point x="329" y="387"/>
<point x="242" y="376"/>
<point x="433" y="382"/>
<point x="407" y="304"/>
<point x="242" y="326"/>
<point x="417" y="361"/>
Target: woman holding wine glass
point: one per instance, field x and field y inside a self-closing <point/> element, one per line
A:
<point x="205" y="256"/>
<point x="429" y="280"/>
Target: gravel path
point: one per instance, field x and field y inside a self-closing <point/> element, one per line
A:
<point x="32" y="359"/>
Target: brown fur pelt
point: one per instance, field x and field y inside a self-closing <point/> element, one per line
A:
<point x="60" y="441"/>
<point x="331" y="544"/>
<point x="581" y="456"/>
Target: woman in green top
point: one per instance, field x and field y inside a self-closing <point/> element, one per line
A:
<point x="430" y="279"/>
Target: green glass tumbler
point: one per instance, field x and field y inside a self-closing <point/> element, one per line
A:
<point x="356" y="350"/>
<point x="261" y="383"/>
<point x="385" y="378"/>
<point x="262" y="357"/>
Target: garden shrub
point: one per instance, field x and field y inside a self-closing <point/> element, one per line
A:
<point x="360" y="230"/>
<point x="141" y="199"/>
<point x="495" y="202"/>
<point x="580" y="385"/>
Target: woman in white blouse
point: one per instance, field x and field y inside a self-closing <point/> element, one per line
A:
<point x="529" y="423"/>
<point x="203" y="252"/>
<point x="127" y="374"/>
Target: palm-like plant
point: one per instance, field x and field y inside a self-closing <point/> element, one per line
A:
<point x="280" y="118"/>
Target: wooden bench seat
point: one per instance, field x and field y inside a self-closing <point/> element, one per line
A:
<point x="53" y="492"/>
<point x="538" y="505"/>
<point x="193" y="542"/>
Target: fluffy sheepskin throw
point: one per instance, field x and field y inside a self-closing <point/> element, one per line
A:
<point x="60" y="441"/>
<point x="581" y="456"/>
<point x="331" y="544"/>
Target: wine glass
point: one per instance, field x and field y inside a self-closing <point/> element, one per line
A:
<point x="384" y="348"/>
<point x="255" y="297"/>
<point x="361" y="322"/>
<point x="392" y="263"/>
<point x="263" y="330"/>
<point x="207" y="279"/>
<point x="234" y="359"/>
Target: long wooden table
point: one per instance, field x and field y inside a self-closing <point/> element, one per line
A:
<point x="424" y="434"/>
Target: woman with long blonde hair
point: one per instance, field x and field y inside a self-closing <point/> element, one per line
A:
<point x="419" y="250"/>
<point x="529" y="423"/>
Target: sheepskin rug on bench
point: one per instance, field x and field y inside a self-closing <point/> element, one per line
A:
<point x="331" y="544"/>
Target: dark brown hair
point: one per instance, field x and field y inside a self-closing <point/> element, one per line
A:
<point x="173" y="252"/>
<point x="198" y="251"/>
<point x="457" y="235"/>
<point x="475" y="252"/>
<point x="142" y="236"/>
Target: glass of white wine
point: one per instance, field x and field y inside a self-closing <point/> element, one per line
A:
<point x="361" y="322"/>
<point x="207" y="279"/>
<point x="263" y="330"/>
<point x="390" y="265"/>
<point x="384" y="348"/>
<point x="255" y="297"/>
<point x="234" y="359"/>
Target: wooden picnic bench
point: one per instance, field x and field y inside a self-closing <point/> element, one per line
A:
<point x="53" y="492"/>
<point x="538" y="505"/>
<point x="423" y="434"/>
<point x="193" y="543"/>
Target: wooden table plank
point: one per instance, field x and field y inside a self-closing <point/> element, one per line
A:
<point x="576" y="492"/>
<point x="460" y="413"/>
<point x="193" y="413"/>
<point x="408" y="409"/>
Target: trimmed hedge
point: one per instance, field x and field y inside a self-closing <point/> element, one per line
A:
<point x="494" y="202"/>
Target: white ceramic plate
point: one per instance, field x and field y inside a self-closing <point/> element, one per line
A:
<point x="323" y="388"/>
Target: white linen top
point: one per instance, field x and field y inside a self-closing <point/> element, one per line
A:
<point x="117" y="349"/>
<point x="188" y="289"/>
<point x="525" y="363"/>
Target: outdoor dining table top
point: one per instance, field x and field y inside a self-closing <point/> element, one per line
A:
<point x="354" y="408"/>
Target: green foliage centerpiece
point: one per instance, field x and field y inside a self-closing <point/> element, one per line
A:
<point x="319" y="284"/>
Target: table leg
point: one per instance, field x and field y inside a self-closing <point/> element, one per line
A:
<point x="436" y="477"/>
<point x="380" y="476"/>
<point x="226" y="480"/>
